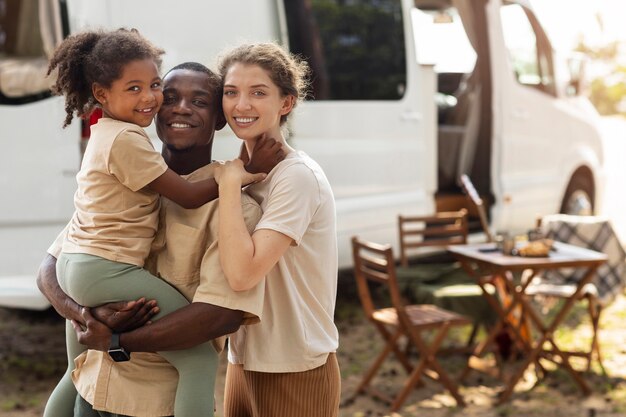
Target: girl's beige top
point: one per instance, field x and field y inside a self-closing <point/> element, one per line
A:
<point x="116" y="217"/>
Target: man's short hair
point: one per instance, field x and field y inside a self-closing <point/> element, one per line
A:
<point x="215" y="81"/>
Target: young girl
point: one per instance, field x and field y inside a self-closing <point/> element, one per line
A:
<point x="286" y="364"/>
<point x="117" y="201"/>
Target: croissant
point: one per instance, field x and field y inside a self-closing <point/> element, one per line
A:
<point x="536" y="248"/>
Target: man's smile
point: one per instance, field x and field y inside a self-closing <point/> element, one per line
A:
<point x="180" y="125"/>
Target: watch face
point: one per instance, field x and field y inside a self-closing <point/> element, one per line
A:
<point x="119" y="355"/>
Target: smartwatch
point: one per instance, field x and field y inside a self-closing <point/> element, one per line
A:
<point x="118" y="353"/>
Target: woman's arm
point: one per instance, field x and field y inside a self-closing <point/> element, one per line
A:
<point x="245" y="258"/>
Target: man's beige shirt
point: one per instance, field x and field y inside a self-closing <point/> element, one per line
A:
<point x="184" y="254"/>
<point x="116" y="216"/>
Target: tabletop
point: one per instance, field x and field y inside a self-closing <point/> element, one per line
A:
<point x="563" y="255"/>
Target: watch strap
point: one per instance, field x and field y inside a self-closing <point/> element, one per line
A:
<point x="117" y="352"/>
<point x="115" y="341"/>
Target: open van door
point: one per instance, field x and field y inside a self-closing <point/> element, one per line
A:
<point x="511" y="121"/>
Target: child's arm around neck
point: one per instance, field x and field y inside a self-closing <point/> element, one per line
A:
<point x="187" y="194"/>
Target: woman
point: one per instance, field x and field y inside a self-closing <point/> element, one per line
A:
<point x="286" y="365"/>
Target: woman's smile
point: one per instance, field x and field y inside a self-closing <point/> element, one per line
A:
<point x="245" y="120"/>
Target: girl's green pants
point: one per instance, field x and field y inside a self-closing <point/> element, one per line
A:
<point x="92" y="281"/>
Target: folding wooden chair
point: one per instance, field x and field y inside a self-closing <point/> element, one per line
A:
<point x="433" y="232"/>
<point x="374" y="263"/>
<point x="446" y="285"/>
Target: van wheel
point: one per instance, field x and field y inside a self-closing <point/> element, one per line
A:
<point x="579" y="195"/>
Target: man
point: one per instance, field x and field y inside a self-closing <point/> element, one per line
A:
<point x="184" y="254"/>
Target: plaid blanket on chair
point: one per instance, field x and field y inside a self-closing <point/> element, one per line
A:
<point x="595" y="233"/>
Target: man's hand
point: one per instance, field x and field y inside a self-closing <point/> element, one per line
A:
<point x="266" y="154"/>
<point x="95" y="335"/>
<point x="125" y="315"/>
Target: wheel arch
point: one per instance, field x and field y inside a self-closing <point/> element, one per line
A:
<point x="582" y="178"/>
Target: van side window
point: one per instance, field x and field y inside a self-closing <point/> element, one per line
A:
<point x="530" y="52"/>
<point x="355" y="48"/>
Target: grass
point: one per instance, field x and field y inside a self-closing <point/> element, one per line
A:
<point x="32" y="358"/>
<point x="555" y="396"/>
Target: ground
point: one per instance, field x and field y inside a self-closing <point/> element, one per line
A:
<point x="32" y="358"/>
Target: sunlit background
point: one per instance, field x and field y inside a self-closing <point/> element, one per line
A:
<point x="593" y="31"/>
<point x="598" y="29"/>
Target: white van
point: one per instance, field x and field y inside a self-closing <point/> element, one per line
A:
<point x="407" y="96"/>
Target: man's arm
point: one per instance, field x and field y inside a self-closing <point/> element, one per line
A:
<point x="191" y="325"/>
<point x="49" y="286"/>
<point x="184" y="328"/>
<point x="267" y="153"/>
<point x="120" y="316"/>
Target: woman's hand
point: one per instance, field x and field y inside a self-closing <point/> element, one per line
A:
<point x="233" y="172"/>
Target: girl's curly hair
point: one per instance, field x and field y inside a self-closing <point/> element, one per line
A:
<point x="95" y="57"/>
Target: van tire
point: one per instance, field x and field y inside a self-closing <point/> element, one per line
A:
<point x="579" y="195"/>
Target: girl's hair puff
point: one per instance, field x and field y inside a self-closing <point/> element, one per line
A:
<point x="289" y="72"/>
<point x="95" y="57"/>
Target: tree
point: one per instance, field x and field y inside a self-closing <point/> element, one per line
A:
<point x="608" y="85"/>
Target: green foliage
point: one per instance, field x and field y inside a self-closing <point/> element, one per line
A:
<point x="351" y="36"/>
<point x="606" y="52"/>
<point x="355" y="48"/>
<point x="608" y="91"/>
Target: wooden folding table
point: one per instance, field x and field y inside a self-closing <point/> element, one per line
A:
<point x="485" y="264"/>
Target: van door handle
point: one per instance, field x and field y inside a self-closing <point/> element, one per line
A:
<point x="411" y="116"/>
<point x="520" y="114"/>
